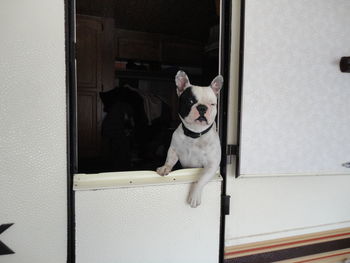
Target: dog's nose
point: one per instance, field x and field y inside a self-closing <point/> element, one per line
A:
<point x="202" y="109"/>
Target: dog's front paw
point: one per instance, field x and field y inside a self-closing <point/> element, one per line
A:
<point x="194" y="198"/>
<point x="164" y="170"/>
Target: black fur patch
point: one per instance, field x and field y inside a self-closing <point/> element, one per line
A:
<point x="186" y="100"/>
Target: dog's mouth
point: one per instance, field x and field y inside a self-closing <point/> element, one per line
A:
<point x="202" y="119"/>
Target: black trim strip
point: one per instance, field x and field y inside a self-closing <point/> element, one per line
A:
<point x="71" y="124"/>
<point x="295" y="252"/>
<point x="240" y="85"/>
<point x="225" y="72"/>
<point x="5" y="250"/>
<point x="71" y="117"/>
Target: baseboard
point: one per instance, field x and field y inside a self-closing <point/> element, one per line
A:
<point x="328" y="246"/>
<point x="330" y="257"/>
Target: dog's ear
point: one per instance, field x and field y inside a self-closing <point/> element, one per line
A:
<point x="182" y="82"/>
<point x="216" y="84"/>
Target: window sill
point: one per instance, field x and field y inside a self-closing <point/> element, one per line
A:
<point x="135" y="179"/>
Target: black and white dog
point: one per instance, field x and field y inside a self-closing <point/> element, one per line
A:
<point x="195" y="142"/>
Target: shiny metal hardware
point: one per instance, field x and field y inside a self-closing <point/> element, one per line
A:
<point x="346" y="165"/>
<point x="344" y="64"/>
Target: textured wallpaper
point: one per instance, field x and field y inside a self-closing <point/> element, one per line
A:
<point x="33" y="171"/>
<point x="296" y="102"/>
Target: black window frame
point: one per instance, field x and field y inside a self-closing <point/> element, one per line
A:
<point x="71" y="115"/>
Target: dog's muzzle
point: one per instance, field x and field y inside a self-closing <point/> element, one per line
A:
<point x="202" y="118"/>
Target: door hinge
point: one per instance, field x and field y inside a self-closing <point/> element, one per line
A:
<point x="231" y="150"/>
<point x="226" y="204"/>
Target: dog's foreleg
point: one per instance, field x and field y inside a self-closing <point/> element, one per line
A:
<point x="171" y="160"/>
<point x="194" y="198"/>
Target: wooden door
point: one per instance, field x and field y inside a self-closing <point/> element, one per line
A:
<point x="89" y="84"/>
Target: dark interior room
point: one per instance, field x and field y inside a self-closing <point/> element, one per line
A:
<point x="128" y="52"/>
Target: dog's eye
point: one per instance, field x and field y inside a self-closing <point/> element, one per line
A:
<point x="191" y="101"/>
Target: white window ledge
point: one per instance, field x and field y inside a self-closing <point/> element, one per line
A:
<point x="136" y="178"/>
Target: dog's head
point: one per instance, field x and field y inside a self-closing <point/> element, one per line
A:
<point x="197" y="104"/>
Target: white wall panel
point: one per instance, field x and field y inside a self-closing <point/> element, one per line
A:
<point x="264" y="208"/>
<point x="295" y="102"/>
<point x="149" y="224"/>
<point x="33" y="130"/>
<point x="275" y="207"/>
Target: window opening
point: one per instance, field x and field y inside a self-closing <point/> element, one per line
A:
<point x="128" y="53"/>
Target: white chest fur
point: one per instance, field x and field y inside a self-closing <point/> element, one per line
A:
<point x="196" y="152"/>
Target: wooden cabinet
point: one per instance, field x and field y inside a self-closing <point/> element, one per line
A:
<point x="94" y="74"/>
<point x="137" y="45"/>
<point x="89" y="128"/>
<point x="182" y="52"/>
<point x="89" y="35"/>
<point x="143" y="46"/>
